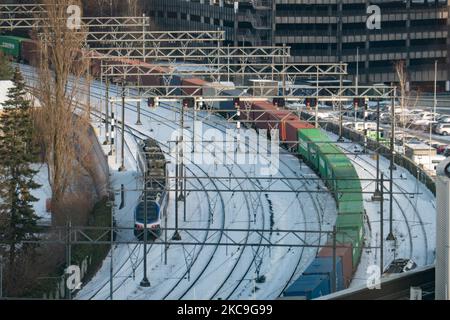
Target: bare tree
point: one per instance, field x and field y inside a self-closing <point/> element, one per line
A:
<point x="408" y="99"/>
<point x="60" y="80"/>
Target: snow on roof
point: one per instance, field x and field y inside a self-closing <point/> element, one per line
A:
<point x="5" y="85"/>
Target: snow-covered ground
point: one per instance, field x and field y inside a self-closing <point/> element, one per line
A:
<point x="5" y="85"/>
<point x="213" y="272"/>
<point x="43" y="193"/>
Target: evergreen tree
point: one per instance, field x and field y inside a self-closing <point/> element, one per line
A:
<point x="18" y="220"/>
<point x="5" y="68"/>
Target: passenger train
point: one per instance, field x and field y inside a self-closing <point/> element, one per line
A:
<point x="152" y="167"/>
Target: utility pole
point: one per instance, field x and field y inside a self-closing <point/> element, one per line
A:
<point x="317" y="101"/>
<point x="1" y="277"/>
<point x="382" y="225"/>
<point x="145" y="282"/>
<point x="435" y="90"/>
<point x="122" y="152"/>
<point x="391" y="171"/>
<point x="106" y="110"/>
<point x="341" y="138"/>
<point x="138" y="121"/>
<point x="377" y="194"/>
<point x="68" y="254"/>
<point x="176" y="236"/>
<point x="394" y="99"/>
<point x="138" y="105"/>
<point x="111" y="266"/>
<point x="89" y="85"/>
<point x="334" y="277"/>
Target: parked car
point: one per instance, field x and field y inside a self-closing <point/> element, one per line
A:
<point x="443" y="129"/>
<point x="385" y="117"/>
<point x="441" y="148"/>
<point x="441" y="119"/>
<point x="360" y="126"/>
<point x="400" y="266"/>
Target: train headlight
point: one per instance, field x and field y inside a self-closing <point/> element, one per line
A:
<point x="139" y="227"/>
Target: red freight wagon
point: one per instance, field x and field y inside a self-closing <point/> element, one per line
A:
<point x="260" y="114"/>
<point x="276" y="117"/>
<point x="290" y="127"/>
<point x="193" y="84"/>
<point x="345" y="252"/>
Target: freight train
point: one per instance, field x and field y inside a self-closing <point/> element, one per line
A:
<point x="152" y="166"/>
<point x="336" y="170"/>
<point x="309" y="143"/>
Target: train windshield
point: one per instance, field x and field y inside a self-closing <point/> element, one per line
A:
<point x="152" y="212"/>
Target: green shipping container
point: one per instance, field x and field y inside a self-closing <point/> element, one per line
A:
<point x="349" y="196"/>
<point x="11" y="46"/>
<point x="307" y="148"/>
<point x="349" y="221"/>
<point x="327" y="150"/>
<point x="350" y="207"/>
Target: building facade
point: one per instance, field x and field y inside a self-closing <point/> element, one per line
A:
<point x="320" y="31"/>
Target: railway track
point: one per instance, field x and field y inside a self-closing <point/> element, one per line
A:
<point x="165" y="121"/>
<point x="134" y="132"/>
<point x="317" y="209"/>
<point x="400" y="207"/>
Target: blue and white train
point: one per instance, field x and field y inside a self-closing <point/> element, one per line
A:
<point x="152" y="166"/>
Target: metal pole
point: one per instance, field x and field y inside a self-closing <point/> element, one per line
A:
<point x="391" y="171"/>
<point x="377" y="195"/>
<point x="181" y="169"/>
<point x="382" y="225"/>
<point x="145" y="282"/>
<point x="122" y="147"/>
<point x="317" y="101"/>
<point x="394" y="98"/>
<point x="68" y="256"/>
<point x="176" y="236"/>
<point x="1" y="277"/>
<point x="435" y="90"/>
<point x="185" y="194"/>
<point x="341" y="138"/>
<point x="111" y="266"/>
<point x="284" y="75"/>
<point x="196" y="104"/>
<point x="89" y="86"/>
<point x="138" y="121"/>
<point x="106" y="111"/>
<point x="334" y="277"/>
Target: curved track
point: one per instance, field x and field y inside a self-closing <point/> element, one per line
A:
<point x="166" y="122"/>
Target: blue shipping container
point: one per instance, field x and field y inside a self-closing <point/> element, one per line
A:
<point x="324" y="265"/>
<point x="309" y="286"/>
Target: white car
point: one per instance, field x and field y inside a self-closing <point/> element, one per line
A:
<point x="423" y="122"/>
<point x="360" y="126"/>
<point x="443" y="129"/>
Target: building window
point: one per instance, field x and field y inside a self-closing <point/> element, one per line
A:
<point x="195" y="18"/>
